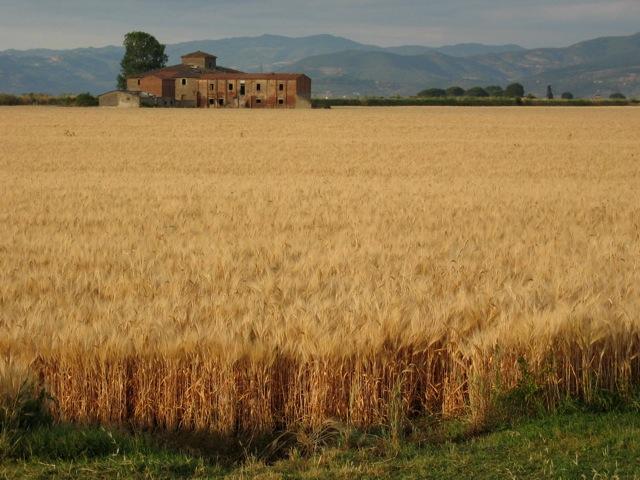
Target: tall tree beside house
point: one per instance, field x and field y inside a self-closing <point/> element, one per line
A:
<point x="142" y="53"/>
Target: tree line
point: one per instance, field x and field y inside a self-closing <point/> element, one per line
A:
<point x="513" y="90"/>
<point x="66" y="100"/>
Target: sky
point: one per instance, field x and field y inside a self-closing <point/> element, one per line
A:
<point x="531" y="23"/>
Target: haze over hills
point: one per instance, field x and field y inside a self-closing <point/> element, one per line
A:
<point x="342" y="67"/>
<point x="383" y="73"/>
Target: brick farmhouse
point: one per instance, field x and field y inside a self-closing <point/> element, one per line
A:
<point x="199" y="82"/>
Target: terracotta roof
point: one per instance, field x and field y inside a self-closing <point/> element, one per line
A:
<point x="219" y="73"/>
<point x="127" y="92"/>
<point x="182" y="71"/>
<point x="199" y="54"/>
<point x="250" y="76"/>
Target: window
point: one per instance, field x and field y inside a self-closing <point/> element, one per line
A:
<point x="258" y="87"/>
<point x="242" y="89"/>
<point x="280" y="101"/>
<point x="212" y="101"/>
<point x="281" y="87"/>
<point x="258" y="101"/>
<point x="138" y="81"/>
<point x="184" y="81"/>
<point x="231" y="87"/>
<point x="221" y="102"/>
<point x="212" y="87"/>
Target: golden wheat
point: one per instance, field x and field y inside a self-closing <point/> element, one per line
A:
<point x="247" y="271"/>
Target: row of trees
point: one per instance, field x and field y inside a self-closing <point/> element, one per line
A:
<point x="81" y="100"/>
<point x="569" y="95"/>
<point x="514" y="90"/>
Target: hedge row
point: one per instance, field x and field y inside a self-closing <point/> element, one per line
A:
<point x="81" y="100"/>
<point x="462" y="101"/>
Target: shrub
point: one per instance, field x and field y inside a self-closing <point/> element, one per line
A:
<point x="567" y="96"/>
<point x="477" y="92"/>
<point x="432" y="93"/>
<point x="64" y="100"/>
<point x="514" y="90"/>
<point x="86" y="100"/>
<point x="526" y="399"/>
<point x="455" y="92"/>
<point x="617" y="96"/>
<point x="9" y="100"/>
<point x="495" y="91"/>
<point x="22" y="403"/>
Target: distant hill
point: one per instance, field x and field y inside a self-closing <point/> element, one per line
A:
<point x="384" y="73"/>
<point x="599" y="66"/>
<point x="595" y="67"/>
<point x="339" y="66"/>
<point x="59" y="71"/>
<point x="95" y="69"/>
<point x="474" y="49"/>
<point x="267" y="52"/>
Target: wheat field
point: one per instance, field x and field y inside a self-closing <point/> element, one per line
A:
<point x="250" y="271"/>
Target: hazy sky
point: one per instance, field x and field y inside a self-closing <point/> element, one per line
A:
<point x="531" y="23"/>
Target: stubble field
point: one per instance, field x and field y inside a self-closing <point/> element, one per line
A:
<point x="249" y="271"/>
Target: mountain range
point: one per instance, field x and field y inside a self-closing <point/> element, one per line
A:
<point x="343" y="67"/>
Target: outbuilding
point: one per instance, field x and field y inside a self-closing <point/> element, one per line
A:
<point x="126" y="98"/>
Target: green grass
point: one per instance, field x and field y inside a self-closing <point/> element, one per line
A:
<point x="573" y="446"/>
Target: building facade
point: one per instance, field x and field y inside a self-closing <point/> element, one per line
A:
<point x="198" y="82"/>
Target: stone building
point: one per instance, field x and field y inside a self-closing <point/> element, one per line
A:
<point x="199" y="82"/>
<point x="120" y="98"/>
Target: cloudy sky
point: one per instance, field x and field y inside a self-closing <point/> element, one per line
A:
<point x="531" y="23"/>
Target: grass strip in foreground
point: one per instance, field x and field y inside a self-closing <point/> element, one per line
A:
<point x="580" y="445"/>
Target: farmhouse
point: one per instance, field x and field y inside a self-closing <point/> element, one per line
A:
<point x="199" y="82"/>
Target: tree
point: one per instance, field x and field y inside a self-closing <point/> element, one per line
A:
<point x="86" y="100"/>
<point x="549" y="92"/>
<point x="567" y="96"/>
<point x="142" y="54"/>
<point x="514" y="90"/>
<point x="432" y="92"/>
<point x="495" y="91"/>
<point x="455" y="92"/>
<point x="617" y="96"/>
<point x="477" y="92"/>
